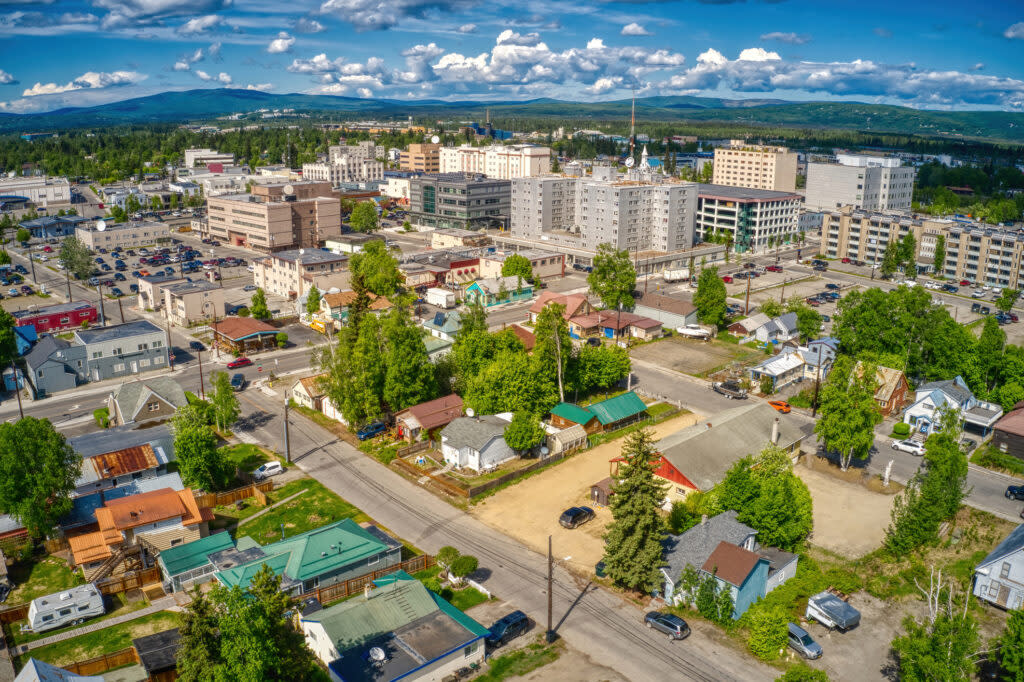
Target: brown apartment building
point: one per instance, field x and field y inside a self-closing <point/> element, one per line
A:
<point x="425" y="158"/>
<point x="276" y="217"/>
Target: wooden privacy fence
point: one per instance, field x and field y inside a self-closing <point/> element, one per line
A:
<point x="14" y="613"/>
<point x="101" y="664"/>
<point x="234" y="495"/>
<point x="351" y="586"/>
<point x="473" y="491"/>
<point x="129" y="581"/>
<point x="413" y="449"/>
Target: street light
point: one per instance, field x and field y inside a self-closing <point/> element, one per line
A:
<point x="213" y="308"/>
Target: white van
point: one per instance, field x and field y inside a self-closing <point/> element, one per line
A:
<point x="64" y="608"/>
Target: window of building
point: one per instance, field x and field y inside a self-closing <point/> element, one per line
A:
<point x="993" y="589"/>
<point x="153" y="406"/>
<point x="1004" y="570"/>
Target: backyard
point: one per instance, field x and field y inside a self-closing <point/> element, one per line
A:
<point x="37" y="577"/>
<point x="315" y="507"/>
<point x="116" y="604"/>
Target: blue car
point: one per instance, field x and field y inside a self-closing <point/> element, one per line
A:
<point x="371" y="430"/>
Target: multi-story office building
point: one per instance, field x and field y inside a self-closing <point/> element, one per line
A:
<point x="189" y="302"/>
<point x="755" y="167"/>
<point x="871" y="183"/>
<point x="423" y="158"/>
<point x="363" y="151"/>
<point x="630" y="214"/>
<point x="504" y="162"/>
<point x="344" y="169"/>
<point x="458" y="200"/>
<point x="276" y="217"/>
<point x="292" y="273"/>
<point x="755" y="219"/>
<point x="41" y="190"/>
<point x="204" y="157"/>
<point x="124" y="235"/>
<point x="974" y="251"/>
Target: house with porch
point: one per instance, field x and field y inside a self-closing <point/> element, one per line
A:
<point x="670" y="312"/>
<point x="743" y="572"/>
<point x="426" y="417"/>
<point x="334" y="306"/>
<point x="999" y="578"/>
<point x="613" y="324"/>
<point x="747" y="326"/>
<point x="781" y="369"/>
<point x="778" y="329"/>
<point x="930" y="399"/>
<point x="192" y="563"/>
<point x="317" y="558"/>
<point x="244" y="335"/>
<point x="891" y="394"/>
<point x="494" y="290"/>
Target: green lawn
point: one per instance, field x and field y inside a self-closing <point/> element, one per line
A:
<point x="105" y="641"/>
<point x="658" y="409"/>
<point x="315" y="508"/>
<point x="38" y="578"/>
<point x="116" y="606"/>
<point x="243" y="456"/>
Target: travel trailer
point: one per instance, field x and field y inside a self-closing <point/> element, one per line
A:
<point x="64" y="608"/>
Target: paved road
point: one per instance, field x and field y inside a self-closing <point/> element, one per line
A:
<point x="592" y="620"/>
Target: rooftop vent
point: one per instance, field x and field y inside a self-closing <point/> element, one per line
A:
<point x="377" y="655"/>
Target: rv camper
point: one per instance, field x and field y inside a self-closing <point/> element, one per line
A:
<point x="64" y="608"/>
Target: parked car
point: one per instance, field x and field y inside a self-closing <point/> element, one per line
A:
<point x="239" y="362"/>
<point x="727" y="279"/>
<point x="977" y="293"/>
<point x="133" y="288"/>
<point x="249" y="287"/>
<point x="371" y="430"/>
<point x="196" y="346"/>
<point x="118" y="277"/>
<point x="912" y="446"/>
<point x="832" y="286"/>
<point x="780" y="406"/>
<point x="1015" y="492"/>
<point x="975" y="307"/>
<point x="846" y="260"/>
<point x="237" y="382"/>
<point x="13" y="293"/>
<point x="813" y="301"/>
<point x="266" y="470"/>
<point x="773" y="268"/>
<point x="575" y="516"/>
<point x="803" y="643"/>
<point x="671" y="624"/>
<point x="507" y="628"/>
<point x="116" y="291"/>
<point x="26" y="289"/>
<point x="730" y="389"/>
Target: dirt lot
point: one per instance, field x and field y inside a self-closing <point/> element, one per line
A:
<point x="529" y="511"/>
<point x="690" y="356"/>
<point x="849" y="519"/>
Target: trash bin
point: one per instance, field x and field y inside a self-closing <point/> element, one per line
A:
<point x="599" y="569"/>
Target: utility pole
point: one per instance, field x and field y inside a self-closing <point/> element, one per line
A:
<point x="287" y="440"/>
<point x="817" y="386"/>
<point x="120" y="309"/>
<point x="103" y="316"/>
<point x="746" y="306"/>
<point x="17" y="392"/>
<point x="551" y="581"/>
<point x="67" y="273"/>
<point x="782" y="294"/>
<point x="202" y="389"/>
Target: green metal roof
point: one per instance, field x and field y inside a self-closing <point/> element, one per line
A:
<point x="573" y="413"/>
<point x="182" y="558"/>
<point x="398" y="600"/>
<point x="310" y="554"/>
<point x="618" y="408"/>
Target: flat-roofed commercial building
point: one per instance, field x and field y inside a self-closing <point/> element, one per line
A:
<point x="41" y="190"/>
<point x="545" y="264"/>
<point x="125" y="235"/>
<point x="204" y="157"/>
<point x="871" y="183"/>
<point x="755" y="167"/>
<point x="504" y="162"/>
<point x="188" y="302"/>
<point x="276" y="217"/>
<point x="458" y="200"/>
<point x="292" y="273"/>
<point x="424" y="158"/>
<point x="754" y="218"/>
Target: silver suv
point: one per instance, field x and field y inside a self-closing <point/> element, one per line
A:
<point x="672" y="625"/>
<point x="803" y="643"/>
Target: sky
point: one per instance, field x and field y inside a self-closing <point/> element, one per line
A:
<point x="935" y="54"/>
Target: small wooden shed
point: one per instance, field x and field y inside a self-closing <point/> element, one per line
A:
<point x="601" y="491"/>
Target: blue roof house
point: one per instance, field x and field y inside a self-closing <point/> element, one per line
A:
<point x="976" y="416"/>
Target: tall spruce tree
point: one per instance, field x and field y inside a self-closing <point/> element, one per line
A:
<point x="633" y="552"/>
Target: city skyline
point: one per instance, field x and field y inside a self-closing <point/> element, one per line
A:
<point x="86" y="52"/>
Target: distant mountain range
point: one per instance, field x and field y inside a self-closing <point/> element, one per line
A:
<point x="206" y="104"/>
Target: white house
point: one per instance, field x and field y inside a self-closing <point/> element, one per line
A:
<point x="783" y="369"/>
<point x="976" y="415"/>
<point x="476" y="443"/>
<point x="999" y="578"/>
<point x="781" y="328"/>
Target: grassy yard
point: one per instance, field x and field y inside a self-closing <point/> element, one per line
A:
<point x="522" y="661"/>
<point x="463" y="599"/>
<point x="117" y="605"/>
<point x="382" y="448"/>
<point x="38" y="578"/>
<point x="101" y="642"/>
<point x="316" y="507"/>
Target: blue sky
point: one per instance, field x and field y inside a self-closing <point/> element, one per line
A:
<point x="936" y="54"/>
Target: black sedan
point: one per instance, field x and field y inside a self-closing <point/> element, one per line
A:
<point x="237" y="382"/>
<point x="1015" y="492"/>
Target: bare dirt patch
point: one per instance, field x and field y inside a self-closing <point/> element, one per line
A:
<point x="692" y="357"/>
<point x="529" y="510"/>
<point x="849" y="519"/>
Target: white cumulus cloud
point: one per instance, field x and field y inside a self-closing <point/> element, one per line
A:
<point x="201" y="25"/>
<point x="634" y="29"/>
<point x="135" y="13"/>
<point x="371" y="15"/>
<point x="283" y="43"/>
<point x="307" y="25"/>
<point x="790" y="38"/>
<point x="1015" y="32"/>
<point x="6" y="78"/>
<point x="91" y="80"/>
<point x="467" y="28"/>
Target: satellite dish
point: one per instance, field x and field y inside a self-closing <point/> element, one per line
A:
<point x="289" y="189"/>
<point x="435" y="139"/>
<point x="302" y="251"/>
<point x="101" y="225"/>
<point x="470" y="412"/>
<point x="544" y="451"/>
<point x="377" y="654"/>
<point x="629" y="162"/>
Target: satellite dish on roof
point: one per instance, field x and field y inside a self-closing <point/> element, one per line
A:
<point x="101" y="225"/>
<point x="435" y="139"/>
<point x="289" y="189"/>
<point x="470" y="412"/>
<point x="629" y="162"/>
<point x="377" y="654"/>
<point x="302" y="251"/>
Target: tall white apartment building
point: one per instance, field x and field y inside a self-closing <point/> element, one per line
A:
<point x="497" y="162"/>
<point x="629" y="214"/>
<point x="203" y="157"/>
<point x="365" y="151"/>
<point x="754" y="219"/>
<point x="41" y="190"/>
<point x="871" y="183"/>
<point x="346" y="163"/>
<point x="755" y="167"/>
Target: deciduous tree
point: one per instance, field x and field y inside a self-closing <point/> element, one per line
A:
<point x="710" y="297"/>
<point x="200" y="463"/>
<point x="517" y="264"/>
<point x="259" y="307"/>
<point x="313" y="300"/>
<point x="769" y="632"/>
<point x="76" y="257"/>
<point x="378" y="269"/>
<point x="409" y="375"/>
<point x="224" y="401"/>
<point x="940" y="255"/>
<point x="633" y="552"/>
<point x="524" y="432"/>
<point x="1007" y="298"/>
<point x="1011" y="648"/>
<point x="38" y="470"/>
<point x="613" y="277"/>
<point x="23" y="235"/>
<point x="364" y="217"/>
<point x="553" y="349"/>
<point x="990" y="348"/>
<point x="848" y="410"/>
<point x="890" y="259"/>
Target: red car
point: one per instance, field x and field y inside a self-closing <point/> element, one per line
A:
<point x="964" y="283"/>
<point x="727" y="279"/>
<point x="773" y="268"/>
<point x="846" y="260"/>
<point x="239" y="362"/>
<point x="47" y="249"/>
<point x="812" y="302"/>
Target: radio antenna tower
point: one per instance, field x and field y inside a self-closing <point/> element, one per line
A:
<point x="632" y="126"/>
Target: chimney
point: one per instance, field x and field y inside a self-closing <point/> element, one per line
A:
<point x="775" y="431"/>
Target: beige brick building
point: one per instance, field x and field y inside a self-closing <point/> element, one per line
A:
<point x="292" y="273"/>
<point x="276" y="217"/>
<point x="424" y="158"/>
<point x="186" y="303"/>
<point x="503" y="162"/>
<point x="755" y="167"/>
<point x="125" y="235"/>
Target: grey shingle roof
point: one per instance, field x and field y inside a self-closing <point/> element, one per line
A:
<point x="129" y="396"/>
<point x="474" y="432"/>
<point x="47" y="346"/>
<point x="703" y="454"/>
<point x="118" y="438"/>
<point x="1014" y="542"/>
<point x="950" y="388"/>
<point x="695" y="545"/>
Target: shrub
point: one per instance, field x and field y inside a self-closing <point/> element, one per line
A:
<point x="768" y="633"/>
<point x="243" y="312"/>
<point x="803" y="673"/>
<point x="102" y="417"/>
<point x="282" y="339"/>
<point x="767" y="385"/>
<point x="446" y="556"/>
<point x="464" y="565"/>
<point x="994" y="459"/>
<point x="901" y="429"/>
